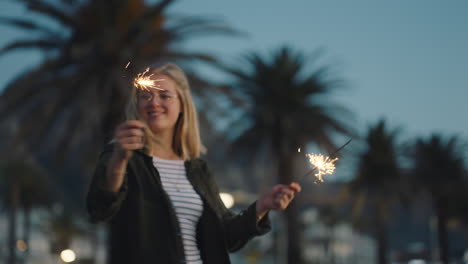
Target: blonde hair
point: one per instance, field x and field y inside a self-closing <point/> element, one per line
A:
<point x="186" y="141"/>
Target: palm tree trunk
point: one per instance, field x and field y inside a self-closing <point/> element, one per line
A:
<point x="95" y="243"/>
<point x="292" y="212"/>
<point x="442" y="233"/>
<point x="26" y="231"/>
<point x="14" y="201"/>
<point x="381" y="234"/>
<point x="294" y="240"/>
<point x="285" y="160"/>
<point x="330" y="251"/>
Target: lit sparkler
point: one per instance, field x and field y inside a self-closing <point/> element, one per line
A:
<point x="145" y="82"/>
<point x="323" y="165"/>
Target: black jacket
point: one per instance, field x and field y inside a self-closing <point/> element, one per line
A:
<point x="143" y="224"/>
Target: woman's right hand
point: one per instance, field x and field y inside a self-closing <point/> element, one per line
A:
<point x="129" y="137"/>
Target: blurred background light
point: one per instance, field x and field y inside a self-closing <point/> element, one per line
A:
<point x="228" y="199"/>
<point x="68" y="255"/>
<point x="21" y="245"/>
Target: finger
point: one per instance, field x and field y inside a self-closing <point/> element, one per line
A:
<point x="280" y="188"/>
<point x="288" y="193"/>
<point x="282" y="203"/>
<point x="277" y="188"/>
<point x="284" y="199"/>
<point x="287" y="196"/>
<point x="287" y="190"/>
<point x="129" y="132"/>
<point x="134" y="124"/>
<point x="130" y="140"/>
<point x="277" y="203"/>
<point x="295" y="187"/>
<point x="132" y="146"/>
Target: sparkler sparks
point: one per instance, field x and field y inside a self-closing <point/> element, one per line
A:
<point x="145" y="82"/>
<point x="323" y="165"/>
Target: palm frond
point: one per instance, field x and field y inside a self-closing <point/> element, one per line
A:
<point x="24" y="24"/>
<point x="153" y="15"/>
<point x="46" y="9"/>
<point x="184" y="31"/>
<point x="41" y="44"/>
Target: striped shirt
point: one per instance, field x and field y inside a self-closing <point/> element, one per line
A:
<point x="186" y="202"/>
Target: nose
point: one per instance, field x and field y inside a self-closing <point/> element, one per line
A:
<point x="155" y="99"/>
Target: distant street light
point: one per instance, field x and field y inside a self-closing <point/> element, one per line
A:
<point x="67" y="255"/>
<point x="417" y="261"/>
<point x="21" y="245"/>
<point x="228" y="199"/>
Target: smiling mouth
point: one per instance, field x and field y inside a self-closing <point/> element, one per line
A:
<point x="154" y="114"/>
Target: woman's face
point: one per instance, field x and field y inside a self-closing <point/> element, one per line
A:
<point x="160" y="107"/>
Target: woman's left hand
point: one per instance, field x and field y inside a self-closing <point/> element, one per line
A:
<point x="278" y="198"/>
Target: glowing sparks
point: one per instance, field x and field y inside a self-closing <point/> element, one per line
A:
<point x="126" y="66"/>
<point x="299" y="150"/>
<point x="145" y="82"/>
<point x="323" y="165"/>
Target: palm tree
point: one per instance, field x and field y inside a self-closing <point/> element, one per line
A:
<point x="24" y="186"/>
<point x="376" y="185"/>
<point x="11" y="200"/>
<point x="461" y="208"/>
<point x="285" y="107"/>
<point x="66" y="108"/>
<point x="74" y="98"/>
<point x="36" y="192"/>
<point x="439" y="171"/>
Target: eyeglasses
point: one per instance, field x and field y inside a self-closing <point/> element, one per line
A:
<point x="162" y="97"/>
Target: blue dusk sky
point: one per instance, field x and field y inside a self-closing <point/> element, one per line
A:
<point x="403" y="60"/>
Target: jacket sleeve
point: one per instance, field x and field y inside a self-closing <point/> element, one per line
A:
<point x="101" y="204"/>
<point x="238" y="228"/>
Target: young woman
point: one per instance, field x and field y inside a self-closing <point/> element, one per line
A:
<point x="161" y="200"/>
